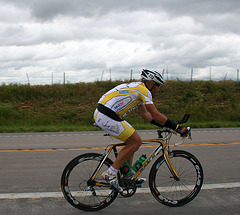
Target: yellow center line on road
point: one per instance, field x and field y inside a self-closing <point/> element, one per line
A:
<point x="103" y="147"/>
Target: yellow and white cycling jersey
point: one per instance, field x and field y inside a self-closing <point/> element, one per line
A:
<point x="124" y="98"/>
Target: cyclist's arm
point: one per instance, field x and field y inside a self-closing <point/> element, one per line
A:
<point x="159" y="118"/>
<point x="149" y="112"/>
<point x="144" y="113"/>
<point x="156" y="115"/>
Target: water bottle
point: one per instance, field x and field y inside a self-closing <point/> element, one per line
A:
<point x="138" y="164"/>
<point x="126" y="169"/>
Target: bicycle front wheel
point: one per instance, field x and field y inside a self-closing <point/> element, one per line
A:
<point x="169" y="191"/>
<point x="76" y="187"/>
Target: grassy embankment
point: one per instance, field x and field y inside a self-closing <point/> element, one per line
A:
<point x="70" y="107"/>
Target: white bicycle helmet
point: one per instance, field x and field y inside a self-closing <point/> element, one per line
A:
<point x="148" y="75"/>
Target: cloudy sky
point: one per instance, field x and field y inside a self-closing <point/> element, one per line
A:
<point x="85" y="39"/>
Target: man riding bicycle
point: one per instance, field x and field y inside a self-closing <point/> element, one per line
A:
<point x="119" y="102"/>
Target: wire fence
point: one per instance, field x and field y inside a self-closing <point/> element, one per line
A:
<point x="112" y="75"/>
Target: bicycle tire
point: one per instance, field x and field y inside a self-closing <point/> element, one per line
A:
<point x="74" y="183"/>
<point x="168" y="190"/>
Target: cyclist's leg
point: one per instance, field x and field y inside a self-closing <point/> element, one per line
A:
<point x="126" y="154"/>
<point x="132" y="145"/>
<point x="121" y="130"/>
<point x="130" y="160"/>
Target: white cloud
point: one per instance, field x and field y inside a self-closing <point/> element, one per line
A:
<point x="84" y="38"/>
<point x="10" y="13"/>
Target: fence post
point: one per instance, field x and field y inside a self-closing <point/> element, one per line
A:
<point x="210" y="70"/>
<point x="28" y="79"/>
<point x="191" y="74"/>
<point x="167" y="73"/>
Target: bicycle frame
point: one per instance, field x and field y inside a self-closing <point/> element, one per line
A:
<point x="160" y="147"/>
<point x="113" y="147"/>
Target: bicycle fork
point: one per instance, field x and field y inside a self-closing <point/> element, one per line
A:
<point x="169" y="163"/>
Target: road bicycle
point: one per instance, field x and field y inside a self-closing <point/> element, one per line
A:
<point x="175" y="178"/>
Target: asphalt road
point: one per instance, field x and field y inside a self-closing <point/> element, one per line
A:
<point x="31" y="166"/>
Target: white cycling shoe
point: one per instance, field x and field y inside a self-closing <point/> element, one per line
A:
<point x="112" y="180"/>
<point x="139" y="181"/>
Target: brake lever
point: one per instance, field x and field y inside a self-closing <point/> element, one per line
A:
<point x="190" y="133"/>
<point x="183" y="138"/>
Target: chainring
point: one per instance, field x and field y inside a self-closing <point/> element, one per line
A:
<point x="129" y="187"/>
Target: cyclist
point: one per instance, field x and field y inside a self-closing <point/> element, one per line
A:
<point x="119" y="102"/>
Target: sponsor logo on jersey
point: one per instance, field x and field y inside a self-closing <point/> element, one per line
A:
<point x="118" y="105"/>
<point x="123" y="91"/>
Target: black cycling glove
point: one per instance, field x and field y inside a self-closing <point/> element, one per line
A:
<point x="173" y="125"/>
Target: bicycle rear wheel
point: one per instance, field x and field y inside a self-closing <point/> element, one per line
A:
<point x="172" y="192"/>
<point x="75" y="183"/>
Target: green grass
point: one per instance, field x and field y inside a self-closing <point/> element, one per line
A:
<point x="70" y="107"/>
